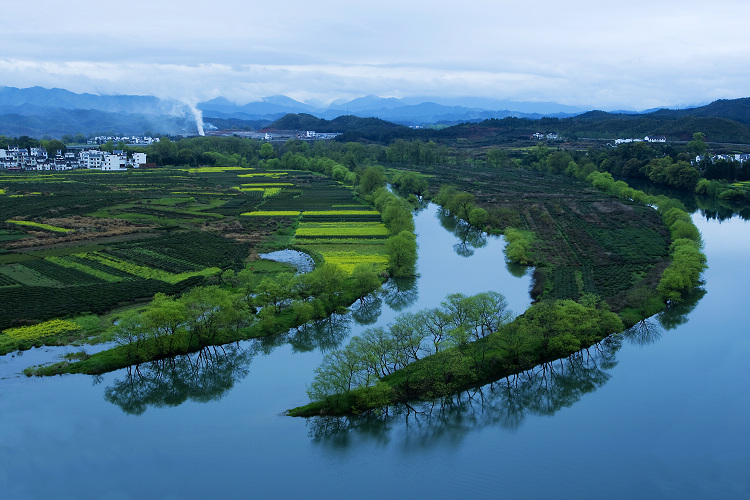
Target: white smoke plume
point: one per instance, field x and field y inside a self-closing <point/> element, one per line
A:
<point x="198" y="114"/>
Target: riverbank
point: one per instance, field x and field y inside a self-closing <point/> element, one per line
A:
<point x="545" y="332"/>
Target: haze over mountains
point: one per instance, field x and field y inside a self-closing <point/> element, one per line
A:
<point x="37" y="111"/>
<point x="407" y="111"/>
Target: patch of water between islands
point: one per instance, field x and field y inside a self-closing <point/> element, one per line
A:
<point x="300" y="260"/>
<point x="13" y="364"/>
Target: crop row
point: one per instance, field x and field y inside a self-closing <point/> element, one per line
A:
<point x="343" y="240"/>
<point x="267" y="184"/>
<point x="202" y="248"/>
<point x="92" y="267"/>
<point x="40" y="225"/>
<point x="342" y="229"/>
<point x="349" y="260"/>
<point x="211" y="170"/>
<point x="149" y="272"/>
<point x="37" y="302"/>
<point x="68" y="273"/>
<point x="7" y="281"/>
<point x="146" y="256"/>
<point x="273" y="213"/>
<point x="42" y="330"/>
<point x="339" y="212"/>
<point x="269" y="174"/>
<point x="264" y="192"/>
<point x="346" y="238"/>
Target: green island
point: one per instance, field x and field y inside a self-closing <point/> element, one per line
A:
<point x="166" y="261"/>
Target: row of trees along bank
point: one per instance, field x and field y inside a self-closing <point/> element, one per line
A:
<point x="438" y="352"/>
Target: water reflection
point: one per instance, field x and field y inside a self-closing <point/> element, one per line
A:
<point x="516" y="269"/>
<point x="644" y="333"/>
<point x="676" y="314"/>
<point x="206" y="375"/>
<point x="325" y="334"/>
<point x="203" y="376"/>
<point x="367" y="311"/>
<point x="507" y="403"/>
<point x="469" y="237"/>
<point x="400" y="293"/>
<point x="709" y="208"/>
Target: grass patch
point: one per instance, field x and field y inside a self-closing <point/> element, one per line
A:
<point x="40" y="225"/>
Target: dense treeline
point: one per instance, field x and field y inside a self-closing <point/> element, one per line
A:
<point x="26" y="142"/>
<point x="594" y="124"/>
<point x="436" y="353"/>
<point x="246" y="306"/>
<point x="688" y="262"/>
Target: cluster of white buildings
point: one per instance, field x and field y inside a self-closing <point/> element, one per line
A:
<point x="307" y="135"/>
<point x="648" y="138"/>
<point x="278" y="135"/>
<point x="740" y="158"/>
<point x="37" y="159"/>
<point x="134" y="140"/>
<point x="552" y="136"/>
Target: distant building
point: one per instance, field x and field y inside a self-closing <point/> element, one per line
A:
<point x="113" y="162"/>
<point x="138" y="159"/>
<point x="91" y="159"/>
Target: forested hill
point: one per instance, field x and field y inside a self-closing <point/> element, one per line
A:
<point x="594" y="124"/>
<point x="352" y="127"/>
<point x="602" y="125"/>
<point x="733" y="109"/>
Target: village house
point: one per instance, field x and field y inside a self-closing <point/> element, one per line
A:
<point x="15" y="158"/>
<point x="648" y="138"/>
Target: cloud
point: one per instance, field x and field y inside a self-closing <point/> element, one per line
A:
<point x="590" y="54"/>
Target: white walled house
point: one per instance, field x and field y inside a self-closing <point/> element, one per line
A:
<point x="138" y="159"/>
<point x="113" y="162"/>
<point x="91" y="159"/>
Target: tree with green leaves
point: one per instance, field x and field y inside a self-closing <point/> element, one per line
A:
<point x="698" y="146"/>
<point x="364" y="280"/>
<point x="266" y="151"/>
<point x="372" y="178"/>
<point x="165" y="316"/>
<point x="402" y="254"/>
<point x="496" y="157"/>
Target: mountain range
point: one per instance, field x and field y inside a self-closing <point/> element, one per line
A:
<point x="38" y="111"/>
<point x="413" y="111"/>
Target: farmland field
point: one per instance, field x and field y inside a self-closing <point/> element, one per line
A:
<point x="88" y="241"/>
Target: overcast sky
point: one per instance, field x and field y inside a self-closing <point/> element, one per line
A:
<point x="593" y="54"/>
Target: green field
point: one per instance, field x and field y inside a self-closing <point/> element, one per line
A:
<point x="88" y="241"/>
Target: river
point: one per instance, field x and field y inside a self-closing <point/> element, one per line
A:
<point x="658" y="413"/>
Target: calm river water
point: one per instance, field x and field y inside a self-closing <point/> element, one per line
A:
<point x="659" y="413"/>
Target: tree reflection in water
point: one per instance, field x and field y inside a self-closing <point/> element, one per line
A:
<point x="676" y="314"/>
<point x="400" y="293"/>
<point x="507" y="402"/>
<point x="325" y="334"/>
<point x="469" y="237"/>
<point x="202" y="376"/>
<point x="368" y="310"/>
